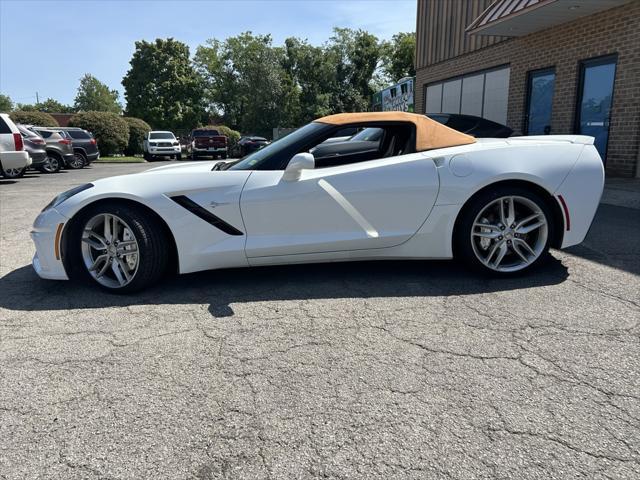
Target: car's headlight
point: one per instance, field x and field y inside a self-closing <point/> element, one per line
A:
<point x="66" y="195"/>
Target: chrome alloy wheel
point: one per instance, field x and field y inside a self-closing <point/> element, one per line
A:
<point x="509" y="234"/>
<point x="51" y="164"/>
<point x="110" y="250"/>
<point x="14" y="172"/>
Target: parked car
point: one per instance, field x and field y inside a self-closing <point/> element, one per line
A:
<point x="427" y="192"/>
<point x="247" y="145"/>
<point x="161" y="144"/>
<point x="84" y="144"/>
<point x="477" y="126"/>
<point x="59" y="146"/>
<point x="207" y="142"/>
<point x="14" y="159"/>
<point x="35" y="145"/>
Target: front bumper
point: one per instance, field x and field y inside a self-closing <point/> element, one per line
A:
<point x="165" y="150"/>
<point x="47" y="235"/>
<point x="14" y="159"/>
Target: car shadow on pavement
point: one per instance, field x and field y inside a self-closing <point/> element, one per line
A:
<point x="23" y="290"/>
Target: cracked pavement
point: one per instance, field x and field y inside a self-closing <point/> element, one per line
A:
<point x="359" y="371"/>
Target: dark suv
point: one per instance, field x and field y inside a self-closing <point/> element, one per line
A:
<point x="84" y="145"/>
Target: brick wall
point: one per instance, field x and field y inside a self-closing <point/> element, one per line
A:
<point x="613" y="31"/>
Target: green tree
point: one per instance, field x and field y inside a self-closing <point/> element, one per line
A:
<point x="53" y="106"/>
<point x="6" y="105"/>
<point x="33" y="117"/>
<point x="245" y="82"/>
<point x="110" y="130"/>
<point x="398" y="56"/>
<point x="162" y="86"/>
<point x="355" y="55"/>
<point x="93" y="95"/>
<point x="138" y="130"/>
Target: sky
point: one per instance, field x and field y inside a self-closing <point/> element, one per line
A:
<point x="46" y="46"/>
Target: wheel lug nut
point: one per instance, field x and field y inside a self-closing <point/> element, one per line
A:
<point x="500" y="237"/>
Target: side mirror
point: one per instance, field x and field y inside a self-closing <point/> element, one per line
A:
<point x="299" y="162"/>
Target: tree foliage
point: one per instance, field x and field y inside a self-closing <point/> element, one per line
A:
<point x="93" y="95"/>
<point x="6" y="104"/>
<point x="398" y="56"/>
<point x="33" y="117"/>
<point x="244" y="81"/>
<point x="110" y="130"/>
<point x="138" y="130"/>
<point x="162" y="86"/>
<point x="51" y="105"/>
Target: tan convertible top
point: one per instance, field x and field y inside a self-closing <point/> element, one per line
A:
<point x="429" y="133"/>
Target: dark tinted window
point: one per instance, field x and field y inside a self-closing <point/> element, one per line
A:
<point x="79" y="134"/>
<point x="44" y="133"/>
<point x="4" y="128"/>
<point x="206" y="133"/>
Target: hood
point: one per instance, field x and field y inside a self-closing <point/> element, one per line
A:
<point x="189" y="167"/>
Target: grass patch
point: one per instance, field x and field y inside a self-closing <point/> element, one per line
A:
<point x="120" y="160"/>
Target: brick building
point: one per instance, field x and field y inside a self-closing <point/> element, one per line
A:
<point x="540" y="66"/>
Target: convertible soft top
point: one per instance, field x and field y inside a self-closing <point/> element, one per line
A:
<point x="429" y="133"/>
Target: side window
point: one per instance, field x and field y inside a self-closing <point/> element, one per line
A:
<point x="371" y="143"/>
<point x="4" y="128"/>
<point x="44" y="133"/>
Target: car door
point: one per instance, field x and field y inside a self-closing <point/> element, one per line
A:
<point x="371" y="204"/>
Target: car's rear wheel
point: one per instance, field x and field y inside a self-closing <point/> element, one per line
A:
<point x="504" y="231"/>
<point x="77" y="162"/>
<point x="119" y="247"/>
<point x="12" y="172"/>
<point x="51" y="164"/>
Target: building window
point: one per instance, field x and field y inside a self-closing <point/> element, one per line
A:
<point x="484" y="94"/>
<point x="595" y="98"/>
<point x="540" y="88"/>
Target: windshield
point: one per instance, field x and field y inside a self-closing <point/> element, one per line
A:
<point x="205" y="133"/>
<point x="161" y="136"/>
<point x="280" y="147"/>
<point x="368" y="135"/>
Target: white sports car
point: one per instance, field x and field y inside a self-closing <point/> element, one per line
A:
<point x="422" y="191"/>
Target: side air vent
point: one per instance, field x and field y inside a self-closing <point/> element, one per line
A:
<point x="205" y="215"/>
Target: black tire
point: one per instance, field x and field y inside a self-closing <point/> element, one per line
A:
<point x="224" y="156"/>
<point x="194" y="156"/>
<point x="148" y="157"/>
<point x="53" y="164"/>
<point x="148" y="231"/>
<point x="78" y="162"/>
<point x="462" y="240"/>
<point x="179" y="157"/>
<point x="12" y="173"/>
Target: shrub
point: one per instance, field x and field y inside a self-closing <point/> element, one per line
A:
<point x="138" y="130"/>
<point x="232" y="135"/>
<point x="40" y="119"/>
<point x="110" y="129"/>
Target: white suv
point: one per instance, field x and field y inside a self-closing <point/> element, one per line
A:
<point x="13" y="157"/>
<point x="161" y="144"/>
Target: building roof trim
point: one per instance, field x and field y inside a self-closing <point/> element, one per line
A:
<point x="513" y="18"/>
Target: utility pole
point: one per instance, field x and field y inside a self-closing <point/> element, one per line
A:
<point x="37" y="98"/>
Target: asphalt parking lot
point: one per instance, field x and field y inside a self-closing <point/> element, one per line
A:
<point x="367" y="370"/>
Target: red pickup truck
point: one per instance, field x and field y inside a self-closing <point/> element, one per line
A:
<point x="207" y="142"/>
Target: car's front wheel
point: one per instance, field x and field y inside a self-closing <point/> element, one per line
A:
<point x="119" y="247"/>
<point x="504" y="231"/>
